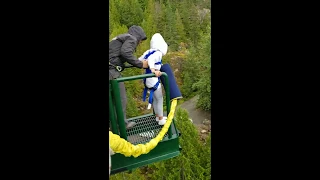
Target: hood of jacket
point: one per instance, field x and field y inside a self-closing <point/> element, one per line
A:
<point x="137" y="32"/>
<point x="157" y="42"/>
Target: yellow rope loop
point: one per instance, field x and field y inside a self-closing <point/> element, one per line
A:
<point x="119" y="145"/>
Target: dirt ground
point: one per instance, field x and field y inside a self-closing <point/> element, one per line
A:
<point x="197" y="115"/>
<point x="201" y="119"/>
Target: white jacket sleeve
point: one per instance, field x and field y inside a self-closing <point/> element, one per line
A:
<point x="152" y="60"/>
<point x="144" y="54"/>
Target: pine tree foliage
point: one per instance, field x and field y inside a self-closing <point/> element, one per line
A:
<point x="118" y="29"/>
<point x="186" y="26"/>
<point x="193" y="162"/>
<point x="181" y="35"/>
<point x="203" y="83"/>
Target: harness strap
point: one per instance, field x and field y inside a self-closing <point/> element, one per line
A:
<point x="118" y="68"/>
<point x="155" y="87"/>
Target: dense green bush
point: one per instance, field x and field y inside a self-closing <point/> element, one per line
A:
<point x="193" y="162"/>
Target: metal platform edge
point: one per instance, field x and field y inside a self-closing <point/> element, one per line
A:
<point x="146" y="162"/>
<point x="164" y="150"/>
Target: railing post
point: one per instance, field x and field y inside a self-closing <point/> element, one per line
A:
<point x="168" y="101"/>
<point x="112" y="118"/>
<point x="117" y="99"/>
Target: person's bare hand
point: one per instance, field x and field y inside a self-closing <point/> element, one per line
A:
<point x="157" y="73"/>
<point x="145" y="64"/>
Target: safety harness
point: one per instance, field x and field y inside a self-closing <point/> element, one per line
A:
<point x="155" y="87"/>
<point x="118" y="68"/>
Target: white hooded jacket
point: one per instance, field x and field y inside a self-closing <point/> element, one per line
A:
<point x="159" y="44"/>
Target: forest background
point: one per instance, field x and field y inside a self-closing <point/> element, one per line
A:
<point x="186" y="27"/>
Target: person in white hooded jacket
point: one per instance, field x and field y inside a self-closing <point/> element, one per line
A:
<point x="158" y="48"/>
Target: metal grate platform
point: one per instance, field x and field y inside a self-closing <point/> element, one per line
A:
<point x="146" y="129"/>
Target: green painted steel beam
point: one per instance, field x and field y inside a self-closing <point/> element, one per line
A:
<point x="120" y="117"/>
<point x="164" y="150"/>
<point x="167" y="148"/>
<point x="112" y="117"/>
<point x="139" y="117"/>
<point x="130" y="78"/>
<point x="117" y="100"/>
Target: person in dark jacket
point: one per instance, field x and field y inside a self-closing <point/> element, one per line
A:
<point x="121" y="50"/>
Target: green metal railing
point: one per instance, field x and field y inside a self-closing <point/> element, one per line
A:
<point x="115" y="101"/>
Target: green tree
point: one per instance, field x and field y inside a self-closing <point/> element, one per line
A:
<point x="114" y="16"/>
<point x="190" y="72"/>
<point x="196" y="71"/>
<point x="149" y="26"/>
<point x="160" y="18"/>
<point x="181" y="35"/>
<point x="188" y="164"/>
<point x="134" y="175"/>
<point x="204" y="82"/>
<point x="117" y="30"/>
<point x="170" y="28"/>
<point x="137" y="12"/>
<point x="143" y="3"/>
<point x="131" y="12"/>
<point x="194" y="27"/>
<point x="205" y="160"/>
<point x="204" y="19"/>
